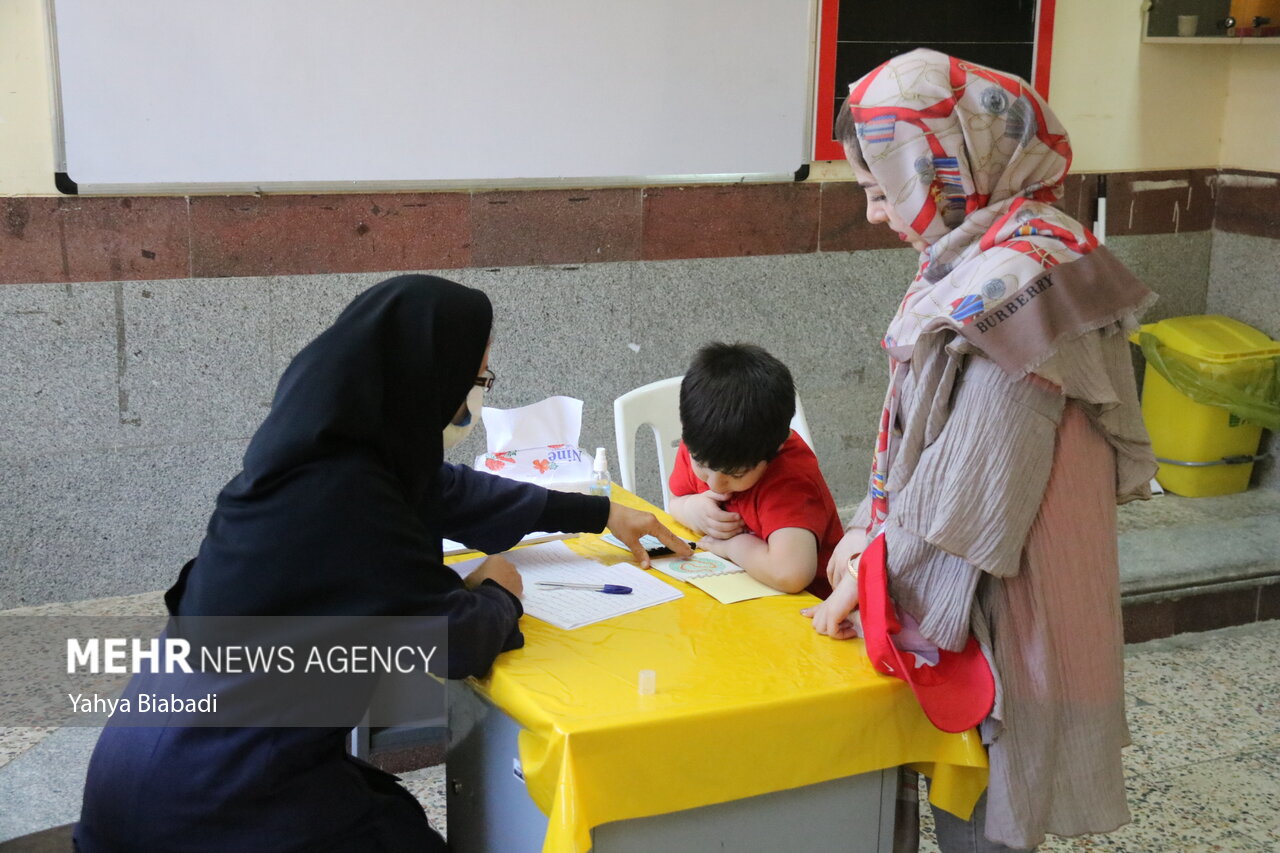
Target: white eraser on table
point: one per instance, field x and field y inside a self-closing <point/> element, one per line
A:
<point x="648" y="682"/>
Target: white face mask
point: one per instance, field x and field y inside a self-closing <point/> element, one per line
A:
<point x="455" y="433"/>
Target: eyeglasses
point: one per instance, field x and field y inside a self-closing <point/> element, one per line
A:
<point x="486" y="382"/>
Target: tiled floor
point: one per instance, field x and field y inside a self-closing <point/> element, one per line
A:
<point x="1204" y="768"/>
<point x="1203" y="771"/>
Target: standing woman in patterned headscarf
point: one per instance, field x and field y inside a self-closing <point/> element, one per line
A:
<point x="1010" y="430"/>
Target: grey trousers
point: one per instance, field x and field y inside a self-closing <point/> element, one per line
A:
<point x="967" y="836"/>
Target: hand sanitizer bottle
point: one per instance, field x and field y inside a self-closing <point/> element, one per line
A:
<point x="600" y="483"/>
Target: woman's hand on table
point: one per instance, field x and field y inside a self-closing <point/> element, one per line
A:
<point x="853" y="544"/>
<point x="703" y="512"/>
<point x="630" y="524"/>
<point x="831" y="617"/>
<point x="499" y="570"/>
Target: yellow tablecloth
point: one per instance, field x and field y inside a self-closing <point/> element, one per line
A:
<point x="749" y="700"/>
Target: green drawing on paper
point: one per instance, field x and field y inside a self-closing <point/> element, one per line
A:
<point x="698" y="566"/>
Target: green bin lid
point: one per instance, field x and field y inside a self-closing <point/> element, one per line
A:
<point x="1213" y="338"/>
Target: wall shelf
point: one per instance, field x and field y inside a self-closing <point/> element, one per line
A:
<point x="1190" y="40"/>
<point x="1212" y="16"/>
<point x="1202" y="40"/>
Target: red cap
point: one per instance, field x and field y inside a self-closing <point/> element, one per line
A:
<point x="958" y="692"/>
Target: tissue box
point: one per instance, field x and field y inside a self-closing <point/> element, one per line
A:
<point x="563" y="467"/>
<point x="548" y="433"/>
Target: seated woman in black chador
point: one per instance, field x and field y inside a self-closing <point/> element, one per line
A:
<point x="340" y="509"/>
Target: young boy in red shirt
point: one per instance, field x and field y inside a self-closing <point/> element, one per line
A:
<point x="744" y="479"/>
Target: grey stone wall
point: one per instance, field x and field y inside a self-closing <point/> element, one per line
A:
<point x="125" y="406"/>
<point x="1176" y="266"/>
<point x="1244" y="283"/>
<point x="1244" y="280"/>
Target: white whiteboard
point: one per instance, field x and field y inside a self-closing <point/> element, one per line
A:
<point x="401" y="93"/>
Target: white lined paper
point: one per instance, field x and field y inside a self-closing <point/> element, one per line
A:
<point x="574" y="608"/>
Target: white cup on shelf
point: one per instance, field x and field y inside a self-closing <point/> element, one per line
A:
<point x="1187" y="25"/>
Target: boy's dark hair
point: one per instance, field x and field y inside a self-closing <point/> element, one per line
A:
<point x="846" y="131"/>
<point x="736" y="406"/>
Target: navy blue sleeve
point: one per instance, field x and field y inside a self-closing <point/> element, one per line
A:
<point x="483" y="622"/>
<point x="491" y="513"/>
<point x="486" y="512"/>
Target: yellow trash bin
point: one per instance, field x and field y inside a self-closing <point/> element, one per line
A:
<point x="1210" y="385"/>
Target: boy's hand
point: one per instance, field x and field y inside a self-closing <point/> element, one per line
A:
<point x="853" y="543"/>
<point x="499" y="570"/>
<point x="705" y="514"/>
<point x="719" y="547"/>
<point x="831" y="617"/>
<point x="630" y="524"/>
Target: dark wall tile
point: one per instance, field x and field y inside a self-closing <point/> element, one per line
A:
<point x="1248" y="203"/>
<point x="1147" y="620"/>
<point x="404" y="759"/>
<point x="298" y="235"/>
<point x="843" y="226"/>
<point x="730" y="220"/>
<point x="1269" y="602"/>
<point x="33" y="242"/>
<point x="1079" y="193"/>
<point x="1216" y="610"/>
<point x="93" y="239"/>
<point x="556" y="226"/>
<point x="104" y="239"/>
<point x="1165" y="202"/>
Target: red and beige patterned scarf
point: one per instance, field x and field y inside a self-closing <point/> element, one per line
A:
<point x="972" y="159"/>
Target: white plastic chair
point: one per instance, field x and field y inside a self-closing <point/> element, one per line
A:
<point x="658" y="405"/>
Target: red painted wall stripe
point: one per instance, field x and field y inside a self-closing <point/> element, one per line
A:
<point x="824" y="147"/>
<point x="1044" y="47"/>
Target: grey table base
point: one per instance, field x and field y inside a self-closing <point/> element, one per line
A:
<point x="490" y="810"/>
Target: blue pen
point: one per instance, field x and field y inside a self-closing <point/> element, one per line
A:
<point x="607" y="588"/>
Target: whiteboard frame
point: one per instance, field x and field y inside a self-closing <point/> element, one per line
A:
<point x="55" y="88"/>
<point x="67" y="185"/>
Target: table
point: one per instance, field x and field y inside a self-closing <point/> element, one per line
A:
<point x="759" y="727"/>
